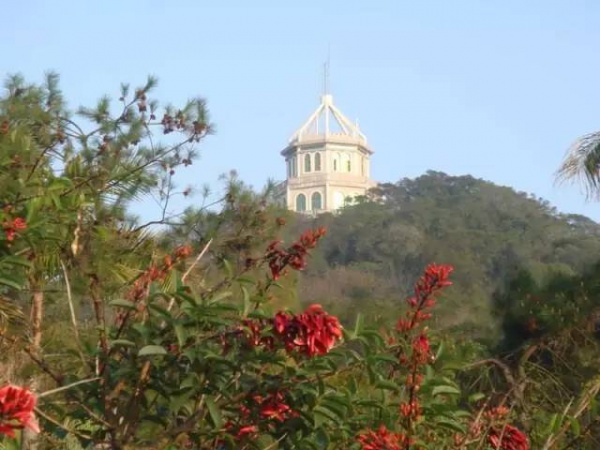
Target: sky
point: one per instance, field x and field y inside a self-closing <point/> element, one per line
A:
<point x="494" y="89"/>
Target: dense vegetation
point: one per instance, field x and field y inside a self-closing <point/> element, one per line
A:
<point x="487" y="232"/>
<point x="244" y="326"/>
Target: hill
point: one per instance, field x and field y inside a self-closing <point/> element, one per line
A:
<point x="375" y="249"/>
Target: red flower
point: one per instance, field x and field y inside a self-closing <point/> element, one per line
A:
<point x="19" y="223"/>
<point x="242" y="432"/>
<point x="294" y="256"/>
<point x="382" y="439"/>
<point x="248" y="429"/>
<point x="421" y="349"/>
<point x="12" y="226"/>
<point x="309" y="238"/>
<point x="274" y="408"/>
<point x="314" y="333"/>
<point x="16" y="410"/>
<point x="421" y="344"/>
<point x="436" y="277"/>
<point x="508" y="438"/>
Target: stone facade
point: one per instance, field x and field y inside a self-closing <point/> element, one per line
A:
<point x="327" y="162"/>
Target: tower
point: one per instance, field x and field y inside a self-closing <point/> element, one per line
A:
<point x="327" y="161"/>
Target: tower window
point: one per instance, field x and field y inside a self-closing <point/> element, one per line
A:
<point x="307" y="163"/>
<point x="346" y="162"/>
<point x="315" y="201"/>
<point x="294" y="168"/>
<point x="317" y="162"/>
<point x="301" y="203"/>
<point x="336" y="162"/>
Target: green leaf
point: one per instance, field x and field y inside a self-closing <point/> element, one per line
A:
<point x="215" y="412"/>
<point x="322" y="438"/>
<point x="228" y="268"/>
<point x="358" y="326"/>
<point x="17" y="261"/>
<point x="152" y="350"/>
<point x="121" y="303"/>
<point x="575" y="426"/>
<point x="384" y="358"/>
<point x="449" y="390"/>
<point x="218" y="297"/>
<point x="123" y="342"/>
<point x="10" y="282"/>
<point x="439" y="352"/>
<point x="247" y="304"/>
<point x="451" y="424"/>
<point x="246" y="280"/>
<point x="322" y="415"/>
<point x="181" y="334"/>
<point x="553" y="424"/>
<point x="387" y="385"/>
<point x="473" y="398"/>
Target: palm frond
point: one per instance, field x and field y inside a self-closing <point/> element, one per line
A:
<point x="10" y="314"/>
<point x="582" y="164"/>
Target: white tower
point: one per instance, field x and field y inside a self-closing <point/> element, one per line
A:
<point x="327" y="160"/>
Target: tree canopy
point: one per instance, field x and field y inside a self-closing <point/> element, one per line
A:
<point x="489" y="233"/>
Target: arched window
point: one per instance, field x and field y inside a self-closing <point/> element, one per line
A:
<point x="315" y="201"/>
<point x="301" y="203"/>
<point x="362" y="165"/>
<point x="317" y="162"/>
<point x="346" y="162"/>
<point x="306" y="163"/>
<point x="336" y="162"/>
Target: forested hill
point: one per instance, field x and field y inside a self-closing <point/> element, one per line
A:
<point x="375" y="250"/>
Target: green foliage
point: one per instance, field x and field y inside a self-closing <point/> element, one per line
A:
<point x="193" y="336"/>
<point x="486" y="231"/>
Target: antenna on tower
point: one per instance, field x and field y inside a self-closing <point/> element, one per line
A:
<point x="326" y="96"/>
<point x="326" y="66"/>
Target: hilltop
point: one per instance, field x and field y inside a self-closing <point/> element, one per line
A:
<point x="374" y="250"/>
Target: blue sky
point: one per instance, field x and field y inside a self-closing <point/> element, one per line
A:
<point x="497" y="89"/>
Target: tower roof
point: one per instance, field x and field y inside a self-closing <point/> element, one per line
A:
<point x="328" y="122"/>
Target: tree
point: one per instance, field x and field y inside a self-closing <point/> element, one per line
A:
<point x="487" y="232"/>
<point x="582" y="164"/>
<point x="72" y="180"/>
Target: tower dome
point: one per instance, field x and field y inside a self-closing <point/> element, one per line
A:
<point x="327" y="162"/>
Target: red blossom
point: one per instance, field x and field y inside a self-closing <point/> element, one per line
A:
<point x="19" y="223"/>
<point x="295" y="256"/>
<point x="382" y="439"/>
<point x="248" y="429"/>
<point x="421" y="344"/>
<point x="411" y="409"/>
<point x="274" y="407"/>
<point x="241" y="432"/>
<point x="17" y="410"/>
<point x="11" y="227"/>
<point x="140" y="288"/>
<point x="421" y="349"/>
<point x="313" y="333"/>
<point x="183" y="252"/>
<point x="508" y="438"/>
